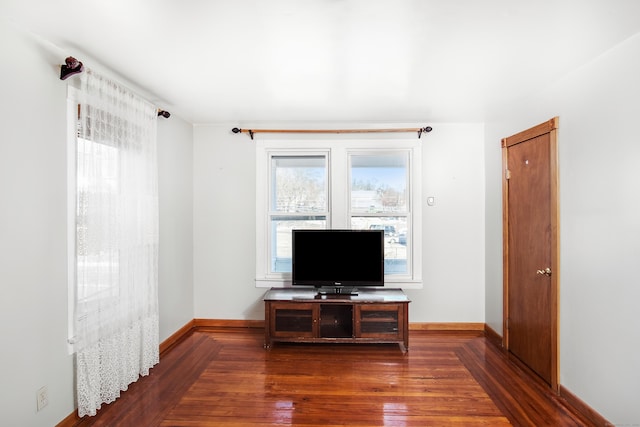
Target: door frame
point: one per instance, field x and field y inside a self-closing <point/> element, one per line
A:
<point x="549" y="127"/>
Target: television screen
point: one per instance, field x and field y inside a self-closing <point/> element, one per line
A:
<point x="338" y="258"/>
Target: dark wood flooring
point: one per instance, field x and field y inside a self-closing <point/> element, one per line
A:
<point x="224" y="377"/>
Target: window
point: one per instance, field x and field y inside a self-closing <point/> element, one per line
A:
<point x="298" y="199"/>
<point x="338" y="184"/>
<point x="380" y="200"/>
<point x="113" y="238"/>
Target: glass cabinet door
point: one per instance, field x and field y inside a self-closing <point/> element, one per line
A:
<point x="379" y="321"/>
<point x="297" y="320"/>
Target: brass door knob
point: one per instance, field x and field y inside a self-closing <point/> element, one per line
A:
<point x="546" y="271"/>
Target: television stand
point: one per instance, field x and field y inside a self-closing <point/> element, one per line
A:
<point x="304" y="315"/>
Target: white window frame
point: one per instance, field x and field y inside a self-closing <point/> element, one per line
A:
<point x="338" y="153"/>
<point x="71" y="214"/>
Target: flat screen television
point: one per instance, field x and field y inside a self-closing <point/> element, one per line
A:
<point x="338" y="261"/>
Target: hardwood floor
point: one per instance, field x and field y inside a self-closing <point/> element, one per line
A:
<point x="224" y="377"/>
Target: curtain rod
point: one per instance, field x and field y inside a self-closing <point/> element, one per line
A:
<point x="72" y="66"/>
<point x="251" y="132"/>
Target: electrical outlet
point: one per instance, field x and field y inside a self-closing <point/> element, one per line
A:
<point x="42" y="397"/>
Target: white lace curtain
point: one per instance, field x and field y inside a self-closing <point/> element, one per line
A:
<point x="116" y="301"/>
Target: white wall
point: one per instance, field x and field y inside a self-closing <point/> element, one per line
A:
<point x="224" y="225"/>
<point x="453" y="229"/>
<point x="493" y="228"/>
<point x="225" y="195"/>
<point x="599" y="150"/>
<point x="33" y="227"/>
<point x="175" y="192"/>
<point x="33" y="250"/>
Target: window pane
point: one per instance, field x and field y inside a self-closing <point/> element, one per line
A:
<point x="299" y="184"/>
<point x="379" y="183"/>
<point x="97" y="182"/>
<point x="99" y="275"/>
<point x="395" y="240"/>
<point x="281" y="227"/>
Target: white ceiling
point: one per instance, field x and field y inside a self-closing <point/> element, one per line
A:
<point x="331" y="60"/>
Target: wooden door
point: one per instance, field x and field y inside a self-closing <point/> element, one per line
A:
<point x="531" y="248"/>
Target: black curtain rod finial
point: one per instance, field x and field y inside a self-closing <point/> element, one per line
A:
<point x="72" y="66"/>
<point x="238" y="130"/>
<point x="164" y="114"/>
<point x="424" y="129"/>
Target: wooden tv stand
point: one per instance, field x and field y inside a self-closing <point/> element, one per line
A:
<point x="302" y="315"/>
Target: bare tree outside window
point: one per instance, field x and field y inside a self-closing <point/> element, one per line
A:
<point x="300" y="189"/>
<point x="298" y="200"/>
